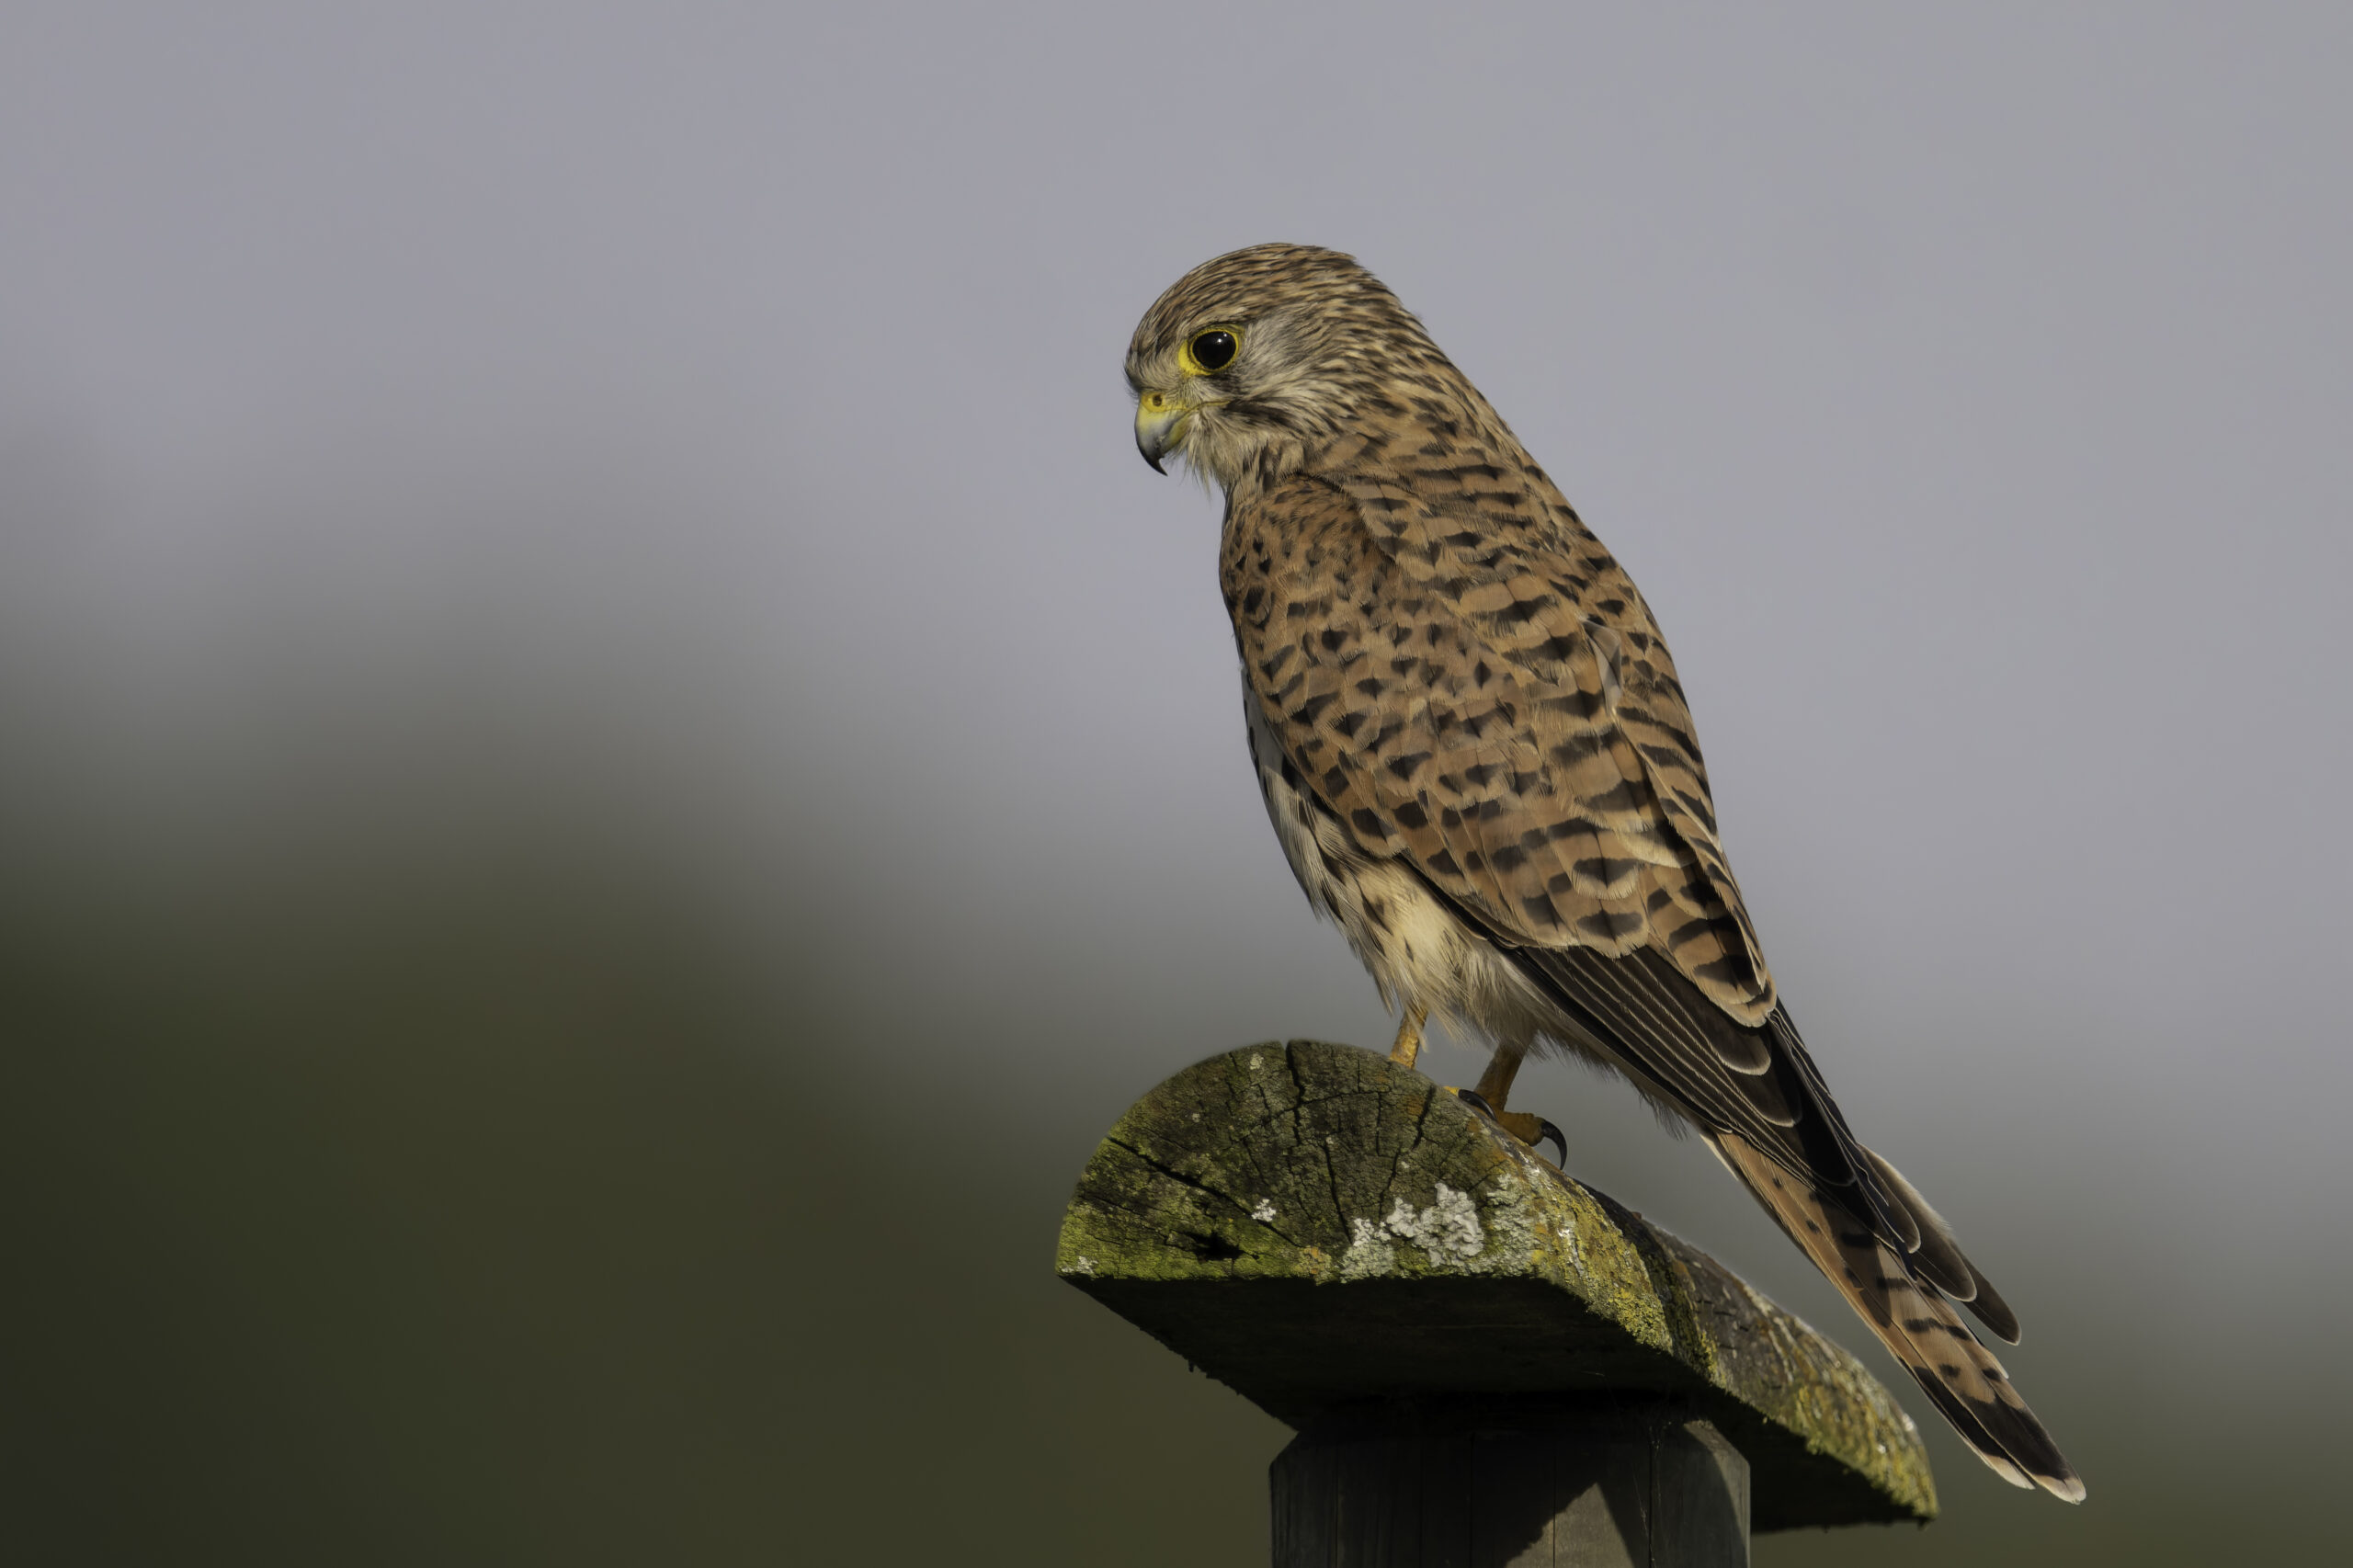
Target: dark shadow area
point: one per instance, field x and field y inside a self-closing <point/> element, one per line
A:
<point x="459" y="1193"/>
<point x="1488" y="1482"/>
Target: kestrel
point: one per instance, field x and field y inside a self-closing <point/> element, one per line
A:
<point x="1478" y="761"/>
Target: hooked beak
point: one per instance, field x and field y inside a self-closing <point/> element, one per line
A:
<point x="1160" y="427"/>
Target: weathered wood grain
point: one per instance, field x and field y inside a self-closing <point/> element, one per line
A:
<point x="1324" y="1230"/>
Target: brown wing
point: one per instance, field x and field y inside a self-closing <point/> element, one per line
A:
<point x="1762" y="1087"/>
<point x="1517" y="788"/>
<point x="1473" y="522"/>
<point x="1534" y="761"/>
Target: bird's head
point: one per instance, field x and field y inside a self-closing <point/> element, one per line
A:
<point x="1251" y="358"/>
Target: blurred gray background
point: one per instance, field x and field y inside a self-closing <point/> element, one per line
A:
<point x="611" y="768"/>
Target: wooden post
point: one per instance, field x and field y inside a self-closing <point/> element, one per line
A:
<point x="1487" y="1362"/>
<point x="1486" y="1484"/>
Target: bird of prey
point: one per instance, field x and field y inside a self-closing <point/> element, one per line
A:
<point x="1479" y="763"/>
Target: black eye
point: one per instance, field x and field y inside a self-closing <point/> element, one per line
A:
<point x="1213" y="350"/>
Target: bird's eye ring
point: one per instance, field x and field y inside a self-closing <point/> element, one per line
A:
<point x="1207" y="352"/>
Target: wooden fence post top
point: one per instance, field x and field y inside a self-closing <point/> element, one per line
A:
<point x="1317" y="1228"/>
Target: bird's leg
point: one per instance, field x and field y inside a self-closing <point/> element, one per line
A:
<point x="1409" y="1034"/>
<point x="1494" y="1084"/>
<point x="1494" y="1087"/>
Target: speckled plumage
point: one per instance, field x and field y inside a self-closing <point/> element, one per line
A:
<point x="1478" y="758"/>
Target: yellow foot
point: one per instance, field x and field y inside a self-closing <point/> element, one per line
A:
<point x="1409" y="1037"/>
<point x="1528" y="1128"/>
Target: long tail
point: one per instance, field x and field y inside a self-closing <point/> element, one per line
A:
<point x="1900" y="1299"/>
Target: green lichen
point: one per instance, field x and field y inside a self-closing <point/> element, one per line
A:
<point x="1279" y="1167"/>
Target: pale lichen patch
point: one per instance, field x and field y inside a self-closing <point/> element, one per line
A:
<point x="1369" y="1255"/>
<point x="1447" y="1231"/>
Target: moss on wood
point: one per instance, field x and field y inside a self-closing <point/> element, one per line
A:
<point x="1315" y="1226"/>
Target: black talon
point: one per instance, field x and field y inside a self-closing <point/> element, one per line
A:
<point x="1548" y="1133"/>
<point x="1551" y="1134"/>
